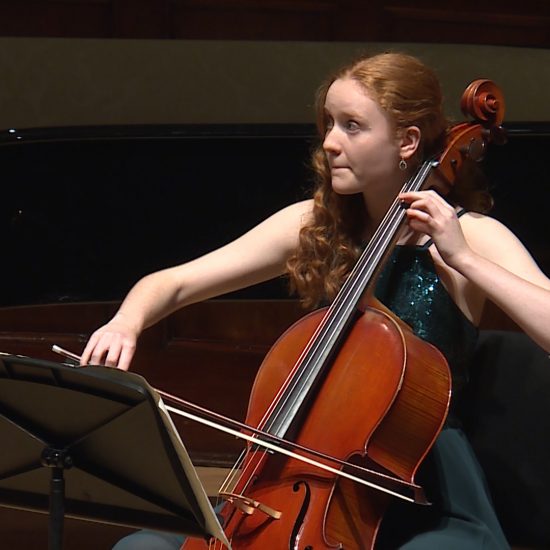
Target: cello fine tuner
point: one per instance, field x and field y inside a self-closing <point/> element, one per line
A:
<point x="248" y="506"/>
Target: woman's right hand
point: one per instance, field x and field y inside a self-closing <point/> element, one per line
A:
<point x="112" y="345"/>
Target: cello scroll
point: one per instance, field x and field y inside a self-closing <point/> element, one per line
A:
<point x="483" y="101"/>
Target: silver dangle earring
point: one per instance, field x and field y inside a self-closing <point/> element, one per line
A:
<point x="402" y="165"/>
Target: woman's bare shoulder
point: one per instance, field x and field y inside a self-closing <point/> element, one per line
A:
<point x="286" y="222"/>
<point x="299" y="212"/>
<point x="484" y="231"/>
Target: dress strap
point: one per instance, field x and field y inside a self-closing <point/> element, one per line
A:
<point x="429" y="242"/>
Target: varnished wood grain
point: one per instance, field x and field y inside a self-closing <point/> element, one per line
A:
<point x="511" y="23"/>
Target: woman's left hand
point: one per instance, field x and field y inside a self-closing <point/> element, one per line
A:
<point x="427" y="212"/>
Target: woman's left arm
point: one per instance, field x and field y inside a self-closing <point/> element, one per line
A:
<point x="490" y="256"/>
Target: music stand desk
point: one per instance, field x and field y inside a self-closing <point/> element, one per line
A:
<point x="95" y="443"/>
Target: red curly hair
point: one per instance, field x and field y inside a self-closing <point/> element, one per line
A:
<point x="329" y="245"/>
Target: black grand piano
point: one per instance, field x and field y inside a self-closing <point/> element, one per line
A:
<point x="85" y="212"/>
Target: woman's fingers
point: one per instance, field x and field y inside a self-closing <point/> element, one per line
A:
<point x="110" y="348"/>
<point x="430" y="214"/>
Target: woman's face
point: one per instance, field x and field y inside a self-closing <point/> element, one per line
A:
<point x="360" y="142"/>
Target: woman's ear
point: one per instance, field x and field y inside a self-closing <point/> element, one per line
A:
<point x="409" y="141"/>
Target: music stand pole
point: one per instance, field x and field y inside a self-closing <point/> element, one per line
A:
<point x="58" y="461"/>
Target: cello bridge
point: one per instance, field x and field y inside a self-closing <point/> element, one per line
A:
<point x="248" y="505"/>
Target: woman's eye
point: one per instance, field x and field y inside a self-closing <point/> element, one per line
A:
<point x="352" y="126"/>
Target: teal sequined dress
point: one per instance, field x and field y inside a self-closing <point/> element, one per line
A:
<point x="461" y="516"/>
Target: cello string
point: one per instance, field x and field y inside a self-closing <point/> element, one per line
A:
<point x="247" y="475"/>
<point x="348" y="297"/>
<point x="307" y="356"/>
<point x="232" y="474"/>
<point x="382" y="236"/>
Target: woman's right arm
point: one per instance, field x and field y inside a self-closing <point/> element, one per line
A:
<point x="258" y="255"/>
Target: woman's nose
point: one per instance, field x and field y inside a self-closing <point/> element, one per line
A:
<point x="331" y="143"/>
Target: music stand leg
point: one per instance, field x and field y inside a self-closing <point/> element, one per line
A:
<point x="58" y="461"/>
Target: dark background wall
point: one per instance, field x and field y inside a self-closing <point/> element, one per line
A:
<point x="502" y="22"/>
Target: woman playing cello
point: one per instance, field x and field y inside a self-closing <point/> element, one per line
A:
<point x="379" y="118"/>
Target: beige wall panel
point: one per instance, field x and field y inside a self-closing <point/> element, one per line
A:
<point x="61" y="82"/>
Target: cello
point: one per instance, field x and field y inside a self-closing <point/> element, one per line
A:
<point x="367" y="445"/>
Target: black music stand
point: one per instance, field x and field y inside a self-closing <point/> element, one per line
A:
<point x="95" y="443"/>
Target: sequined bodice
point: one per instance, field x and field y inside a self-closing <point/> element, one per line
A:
<point x="410" y="287"/>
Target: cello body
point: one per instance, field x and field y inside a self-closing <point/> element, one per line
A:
<point x="382" y="404"/>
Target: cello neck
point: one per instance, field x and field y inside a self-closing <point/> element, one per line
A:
<point x="339" y="317"/>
